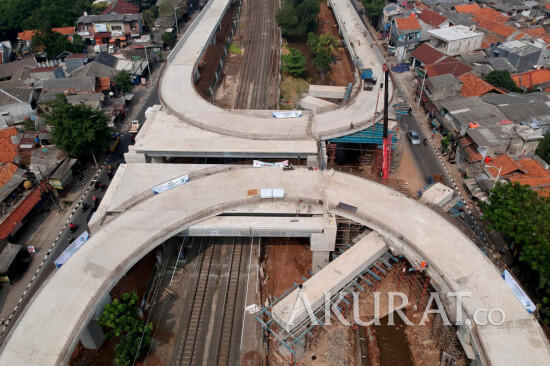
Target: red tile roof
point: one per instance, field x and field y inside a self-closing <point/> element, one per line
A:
<point x="506" y="163"/>
<point x="8" y="150"/>
<point x="432" y="18"/>
<point x="496" y="28"/>
<point x="427" y="54"/>
<point x="449" y="65"/>
<point x="489" y="14"/>
<point x="44" y="69"/>
<point x="103" y="83"/>
<point x="78" y="55"/>
<point x="121" y="7"/>
<point x="408" y="23"/>
<point x="472" y="155"/>
<point x="537" y="32"/>
<point x="466" y="8"/>
<point x="7" y="170"/>
<point x="28" y="34"/>
<point x="531" y="79"/>
<point x="472" y="86"/>
<point x="547" y="6"/>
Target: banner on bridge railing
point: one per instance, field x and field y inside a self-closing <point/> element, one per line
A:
<point x="71" y="249"/>
<point x="170" y="184"/>
<point x="261" y="164"/>
<point x="287" y="114"/>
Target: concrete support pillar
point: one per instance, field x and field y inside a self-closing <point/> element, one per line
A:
<point x="196" y="75"/>
<point x="319" y="259"/>
<point x="157" y="159"/>
<point x="312" y="162"/>
<point x="213" y="40"/>
<point x="323" y="243"/>
<point x="92" y="336"/>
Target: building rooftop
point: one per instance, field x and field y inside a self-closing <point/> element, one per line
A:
<point x="454" y="33"/>
<point x="8" y="150"/>
<point x="93" y="69"/>
<point x="449" y="65"/>
<point x="106" y="59"/>
<point x="474" y="86"/>
<point x="501" y="63"/>
<point x="407" y="24"/>
<point x="121" y="7"/>
<point x="427" y="54"/>
<point x="489" y="14"/>
<point x="474" y="110"/>
<point x="499" y="29"/>
<point x="431" y="18"/>
<point x="113" y="17"/>
<point x="466" y="8"/>
<point x="531" y="79"/>
<point x="520" y="48"/>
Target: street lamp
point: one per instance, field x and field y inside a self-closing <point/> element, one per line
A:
<point x="176" y="17"/>
<point x="498" y="176"/>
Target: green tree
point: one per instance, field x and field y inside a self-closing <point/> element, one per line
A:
<point x="373" y="9"/>
<point x="78" y="44"/>
<point x="168" y="38"/>
<point x="121" y="318"/>
<point x="312" y="41"/>
<point x="78" y="129"/>
<point x="328" y="42"/>
<point x="148" y="18"/>
<point x="294" y="63"/>
<point x="298" y="18"/>
<point x="543" y="150"/>
<point x="123" y="81"/>
<point x="98" y="8"/>
<point x="521" y="216"/>
<point x="51" y="42"/>
<point x="322" y="60"/>
<point x="502" y="79"/>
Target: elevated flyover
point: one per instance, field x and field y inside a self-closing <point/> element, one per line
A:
<point x="49" y="329"/>
<point x="191" y="126"/>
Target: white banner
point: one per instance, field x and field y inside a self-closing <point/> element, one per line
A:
<point x="518" y="291"/>
<point x="287" y="114"/>
<point x="170" y="184"/>
<point x="72" y="249"/>
<point x="261" y="164"/>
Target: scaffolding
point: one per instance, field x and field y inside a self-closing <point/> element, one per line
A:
<point x="293" y="343"/>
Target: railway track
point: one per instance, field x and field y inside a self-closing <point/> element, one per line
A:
<point x="230" y="305"/>
<point x="190" y="339"/>
<point x="212" y="317"/>
<point x="256" y="69"/>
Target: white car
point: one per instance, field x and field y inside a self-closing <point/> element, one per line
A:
<point x="413" y="137"/>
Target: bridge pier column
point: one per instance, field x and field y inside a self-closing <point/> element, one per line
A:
<point x="157" y="159"/>
<point x="92" y="336"/>
<point x="323" y="243"/>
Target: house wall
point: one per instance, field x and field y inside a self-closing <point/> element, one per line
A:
<point x="460" y="46"/>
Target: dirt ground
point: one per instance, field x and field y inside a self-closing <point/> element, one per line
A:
<point x="226" y="92"/>
<point x="137" y="279"/>
<point x="292" y="90"/>
<point x="408" y="171"/>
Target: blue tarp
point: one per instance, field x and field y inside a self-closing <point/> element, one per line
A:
<point x="401" y="67"/>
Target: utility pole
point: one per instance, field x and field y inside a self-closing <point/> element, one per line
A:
<point x="386" y="147"/>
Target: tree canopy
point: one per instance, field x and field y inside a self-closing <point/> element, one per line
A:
<point x="322" y="46"/>
<point x="297" y="18"/>
<point x="123" y="81"/>
<point x="168" y="38"/>
<point x="18" y="15"/>
<point x="502" y="79"/>
<point x="294" y="63"/>
<point x="121" y="318"/>
<point x="374" y="9"/>
<point x="78" y="129"/>
<point x="543" y="150"/>
<point x="523" y="218"/>
<point x="54" y="43"/>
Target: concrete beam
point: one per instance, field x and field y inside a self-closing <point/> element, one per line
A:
<point x="325" y="241"/>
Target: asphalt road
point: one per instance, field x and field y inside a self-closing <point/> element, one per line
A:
<point x="424" y="155"/>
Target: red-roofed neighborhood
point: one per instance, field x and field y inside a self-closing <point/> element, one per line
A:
<point x="498" y="29"/>
<point x="432" y="18"/>
<point x="408" y="23"/>
<point x="532" y="79"/>
<point x="466" y="8"/>
<point x="427" y="54"/>
<point x="472" y="86"/>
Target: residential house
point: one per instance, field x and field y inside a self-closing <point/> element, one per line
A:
<point x="426" y="55"/>
<point x="436" y="89"/>
<point x="15" y="105"/>
<point x="449" y="65"/>
<point x="103" y="74"/>
<point x="522" y="55"/>
<point x="49" y="89"/>
<point x="430" y="20"/>
<point x="121" y="7"/>
<point x="113" y="28"/>
<point x="73" y="62"/>
<point x="500" y="31"/>
<point x="18" y="70"/>
<point x="392" y="11"/>
<point x="5" y="52"/>
<point x="535" y="79"/>
<point x="25" y="38"/>
<point x="405" y="35"/>
<point x="473" y="86"/>
<point x="44" y="73"/>
<point x="455" y="40"/>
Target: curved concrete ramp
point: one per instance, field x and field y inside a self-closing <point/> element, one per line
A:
<point x="179" y="95"/>
<point x="48" y="331"/>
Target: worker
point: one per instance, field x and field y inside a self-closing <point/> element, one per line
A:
<point x="72" y="227"/>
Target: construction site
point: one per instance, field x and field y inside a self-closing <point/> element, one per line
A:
<point x="229" y="212"/>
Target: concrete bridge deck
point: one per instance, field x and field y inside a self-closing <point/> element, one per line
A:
<point x="180" y="97"/>
<point x="48" y="331"/>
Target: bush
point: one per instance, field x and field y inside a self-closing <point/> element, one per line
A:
<point x="168" y="38"/>
<point x="298" y="18"/>
<point x="502" y="79"/>
<point x="294" y="63"/>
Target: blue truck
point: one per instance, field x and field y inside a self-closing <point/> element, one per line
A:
<point x="369" y="80"/>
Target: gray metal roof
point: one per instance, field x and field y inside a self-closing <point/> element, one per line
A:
<point x="514" y="98"/>
<point x="74" y="63"/>
<point x="501" y="63"/>
<point x="536" y="114"/>
<point x="106" y="59"/>
<point x="444" y="81"/>
<point x="94" y="69"/>
<point x="79" y="84"/>
<point x="473" y="109"/>
<point x="519" y="48"/>
<point x="113" y="17"/>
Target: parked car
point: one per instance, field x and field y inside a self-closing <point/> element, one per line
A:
<point x="413" y="137"/>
